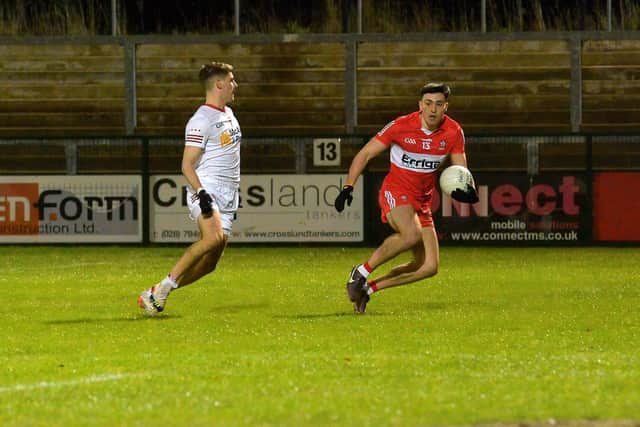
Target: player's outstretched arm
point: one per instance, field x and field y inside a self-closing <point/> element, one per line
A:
<point x="372" y="149"/>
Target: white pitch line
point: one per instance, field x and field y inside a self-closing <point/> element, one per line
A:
<point x="54" y="384"/>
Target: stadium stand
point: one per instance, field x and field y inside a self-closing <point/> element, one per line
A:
<point x="497" y="86"/>
<point x="611" y="85"/>
<point x="298" y="88"/>
<point x="61" y="90"/>
<point x="286" y="88"/>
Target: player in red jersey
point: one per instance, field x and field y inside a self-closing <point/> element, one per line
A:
<point x="420" y="142"/>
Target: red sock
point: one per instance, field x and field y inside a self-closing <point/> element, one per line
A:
<point x="367" y="267"/>
<point x="373" y="286"/>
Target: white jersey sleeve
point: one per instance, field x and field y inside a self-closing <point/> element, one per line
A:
<point x="196" y="132"/>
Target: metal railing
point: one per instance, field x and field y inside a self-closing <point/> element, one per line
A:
<point x="531" y="154"/>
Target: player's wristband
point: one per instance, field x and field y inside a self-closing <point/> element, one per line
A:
<point x="199" y="190"/>
<point x="347" y="186"/>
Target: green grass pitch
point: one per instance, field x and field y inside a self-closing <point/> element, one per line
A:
<point x="501" y="336"/>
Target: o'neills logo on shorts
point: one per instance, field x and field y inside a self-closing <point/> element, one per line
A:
<point x="17" y="212"/>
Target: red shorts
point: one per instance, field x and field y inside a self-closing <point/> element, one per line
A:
<point x="391" y="196"/>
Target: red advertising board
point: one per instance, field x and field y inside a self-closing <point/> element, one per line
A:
<point x="616" y="206"/>
<point x="515" y="209"/>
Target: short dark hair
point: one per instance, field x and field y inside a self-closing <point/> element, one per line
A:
<point x="436" y="88"/>
<point x="213" y="69"/>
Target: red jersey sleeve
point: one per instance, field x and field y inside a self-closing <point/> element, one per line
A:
<point x="458" y="142"/>
<point x="387" y="133"/>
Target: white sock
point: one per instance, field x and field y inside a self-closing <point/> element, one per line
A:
<point x="363" y="271"/>
<point x="169" y="281"/>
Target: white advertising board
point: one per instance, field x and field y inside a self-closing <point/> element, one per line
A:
<point x="70" y="209"/>
<point x="273" y="208"/>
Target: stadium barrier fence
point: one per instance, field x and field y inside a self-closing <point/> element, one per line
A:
<point x="547" y="190"/>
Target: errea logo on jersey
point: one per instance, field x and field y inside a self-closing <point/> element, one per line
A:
<point x="17" y="215"/>
<point x="421" y="163"/>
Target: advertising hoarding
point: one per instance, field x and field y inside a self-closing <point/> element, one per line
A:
<point x="65" y="209"/>
<point x="273" y="208"/>
<point x="514" y="208"/>
<point x="615" y="206"/>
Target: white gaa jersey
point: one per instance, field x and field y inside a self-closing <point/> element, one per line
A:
<point x="217" y="133"/>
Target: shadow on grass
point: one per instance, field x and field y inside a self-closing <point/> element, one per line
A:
<point x="328" y="315"/>
<point x="428" y="306"/>
<point x="142" y="317"/>
<point x="410" y="308"/>
<point x="234" y="308"/>
<point x="112" y="319"/>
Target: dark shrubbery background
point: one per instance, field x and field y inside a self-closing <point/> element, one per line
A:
<point x="93" y="17"/>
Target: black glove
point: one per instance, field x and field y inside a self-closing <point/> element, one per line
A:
<point x="206" y="202"/>
<point x="344" y="196"/>
<point x="468" y="195"/>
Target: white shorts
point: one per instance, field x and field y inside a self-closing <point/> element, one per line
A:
<point x="225" y="200"/>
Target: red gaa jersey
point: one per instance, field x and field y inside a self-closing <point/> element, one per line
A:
<point x="417" y="152"/>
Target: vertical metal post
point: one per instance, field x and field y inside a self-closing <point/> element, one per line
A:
<point x="483" y="16"/>
<point x="609" y="17"/>
<point x="301" y="158"/>
<point x="359" y="16"/>
<point x="146" y="178"/>
<point x="588" y="153"/>
<point x="71" y="157"/>
<point x="114" y="17"/>
<point x="236" y="17"/>
<point x="533" y="158"/>
<point x="351" y="85"/>
<point x="131" y="108"/>
<point x="520" y="15"/>
<point x="576" y="83"/>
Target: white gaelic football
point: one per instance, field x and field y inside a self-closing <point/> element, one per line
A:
<point x="455" y="177"/>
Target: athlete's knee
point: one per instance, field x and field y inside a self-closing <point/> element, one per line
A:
<point x="213" y="241"/>
<point x="412" y="237"/>
<point x="428" y="269"/>
<point x="412" y="266"/>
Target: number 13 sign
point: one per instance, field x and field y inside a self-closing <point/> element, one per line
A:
<point x="326" y="152"/>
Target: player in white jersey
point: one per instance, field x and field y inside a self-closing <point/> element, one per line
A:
<point x="211" y="166"/>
